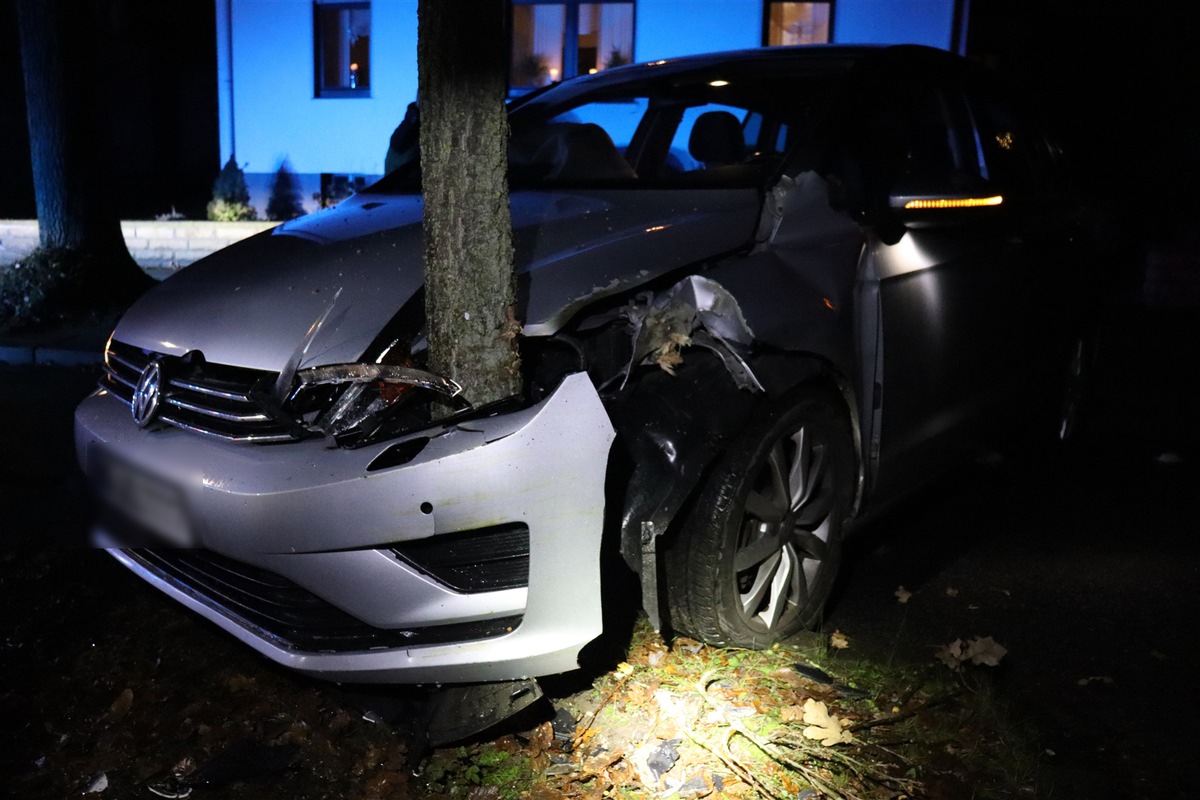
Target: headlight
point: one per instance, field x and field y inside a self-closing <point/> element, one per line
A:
<point x="370" y="391"/>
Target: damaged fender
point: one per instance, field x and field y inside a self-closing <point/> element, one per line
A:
<point x="676" y="420"/>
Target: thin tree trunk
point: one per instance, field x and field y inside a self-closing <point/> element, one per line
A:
<point x="469" y="285"/>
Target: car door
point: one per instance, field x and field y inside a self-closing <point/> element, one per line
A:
<point x="942" y="277"/>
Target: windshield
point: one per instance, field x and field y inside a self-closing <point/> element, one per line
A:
<point x="723" y="126"/>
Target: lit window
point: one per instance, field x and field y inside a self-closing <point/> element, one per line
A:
<point x="557" y="40"/>
<point x="342" y="35"/>
<point x="796" y="23"/>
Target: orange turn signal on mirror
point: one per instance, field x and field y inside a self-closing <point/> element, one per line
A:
<point x="954" y="202"/>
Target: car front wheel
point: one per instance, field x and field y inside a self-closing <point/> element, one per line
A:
<point x="757" y="557"/>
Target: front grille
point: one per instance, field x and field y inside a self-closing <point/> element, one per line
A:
<point x="290" y="614"/>
<point x="481" y="560"/>
<point x="212" y="399"/>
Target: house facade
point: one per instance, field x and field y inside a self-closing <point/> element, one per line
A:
<point x="318" y="86"/>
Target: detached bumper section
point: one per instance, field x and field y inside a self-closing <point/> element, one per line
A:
<point x="328" y="564"/>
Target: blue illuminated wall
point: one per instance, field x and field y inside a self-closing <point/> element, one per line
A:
<point x="928" y="22"/>
<point x="265" y="81"/>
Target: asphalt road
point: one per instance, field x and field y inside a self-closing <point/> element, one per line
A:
<point x="1082" y="563"/>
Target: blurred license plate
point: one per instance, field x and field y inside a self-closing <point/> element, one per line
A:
<point x="155" y="506"/>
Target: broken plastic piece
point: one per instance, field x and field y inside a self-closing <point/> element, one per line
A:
<point x="98" y="784"/>
<point x="173" y="787"/>
<point x="456" y="712"/>
<point x="564" y="724"/>
<point x="823" y="677"/>
<point x="663" y="758"/>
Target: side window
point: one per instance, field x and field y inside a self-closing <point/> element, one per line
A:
<point x="585" y="144"/>
<point x="710" y="135"/>
<point x="619" y="119"/>
<point x="898" y="138"/>
<point x="922" y="136"/>
<point x="1008" y="151"/>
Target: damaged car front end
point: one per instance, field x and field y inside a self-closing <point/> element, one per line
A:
<point x="710" y="270"/>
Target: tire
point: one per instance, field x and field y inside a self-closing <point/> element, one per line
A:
<point x="757" y="556"/>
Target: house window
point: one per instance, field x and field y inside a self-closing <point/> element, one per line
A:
<point x="557" y="40"/>
<point x="797" y="23"/>
<point x="342" y="35"/>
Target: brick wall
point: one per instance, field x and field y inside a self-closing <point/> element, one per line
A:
<point x="160" y="245"/>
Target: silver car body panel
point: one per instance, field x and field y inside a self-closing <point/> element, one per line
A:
<point x="315" y="515"/>
<point x="253" y="303"/>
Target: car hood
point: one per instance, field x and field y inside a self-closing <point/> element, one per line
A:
<point x="348" y="269"/>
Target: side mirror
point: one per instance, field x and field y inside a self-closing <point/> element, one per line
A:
<point x="915" y="199"/>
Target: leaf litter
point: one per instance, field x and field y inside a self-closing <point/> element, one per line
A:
<point x="188" y="711"/>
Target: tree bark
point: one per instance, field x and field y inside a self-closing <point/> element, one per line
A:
<point x="71" y="180"/>
<point x="469" y="284"/>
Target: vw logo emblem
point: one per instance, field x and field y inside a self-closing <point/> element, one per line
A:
<point x="147" y="395"/>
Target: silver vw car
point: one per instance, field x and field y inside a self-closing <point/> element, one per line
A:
<point x="763" y="294"/>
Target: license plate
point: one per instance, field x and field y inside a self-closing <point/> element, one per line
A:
<point x="155" y="505"/>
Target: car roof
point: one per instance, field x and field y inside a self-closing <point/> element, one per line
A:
<point x="836" y="58"/>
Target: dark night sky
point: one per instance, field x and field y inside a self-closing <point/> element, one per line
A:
<point x="157" y="66"/>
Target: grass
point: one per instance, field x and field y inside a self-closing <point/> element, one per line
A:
<point x="726" y="722"/>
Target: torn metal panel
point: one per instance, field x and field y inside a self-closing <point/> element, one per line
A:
<point x="671" y="428"/>
<point x="697" y="310"/>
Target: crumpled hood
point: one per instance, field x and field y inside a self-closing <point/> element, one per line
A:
<point x="353" y="266"/>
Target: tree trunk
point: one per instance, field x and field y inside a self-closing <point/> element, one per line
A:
<point x="84" y="264"/>
<point x="469" y="285"/>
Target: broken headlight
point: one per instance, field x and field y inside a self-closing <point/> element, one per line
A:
<point x="363" y="396"/>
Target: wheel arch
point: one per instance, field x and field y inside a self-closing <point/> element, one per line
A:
<point x="673" y="428"/>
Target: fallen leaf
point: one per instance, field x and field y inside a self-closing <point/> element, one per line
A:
<point x="1096" y="679"/>
<point x="839" y="640"/>
<point x="902" y="595"/>
<point x="120" y="707"/>
<point x="542" y="739"/>
<point x="951" y="655"/>
<point x="823" y="726"/>
<point x="985" y="651"/>
<point x="791" y="714"/>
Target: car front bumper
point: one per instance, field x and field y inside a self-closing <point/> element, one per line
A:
<point x="324" y="521"/>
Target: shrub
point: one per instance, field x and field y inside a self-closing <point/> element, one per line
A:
<point x="231" y="198"/>
<point x="285" y="199"/>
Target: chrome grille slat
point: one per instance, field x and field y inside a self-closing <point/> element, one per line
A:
<point x="123" y="361"/>
<point x="118" y="377"/>
<point x="208" y="399"/>
<point x="213" y="412"/>
<point x="195" y="387"/>
<point x="251" y="438"/>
